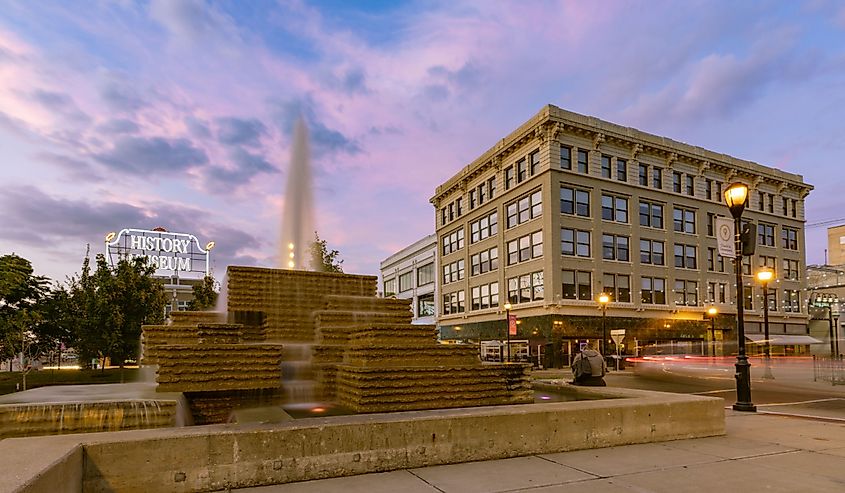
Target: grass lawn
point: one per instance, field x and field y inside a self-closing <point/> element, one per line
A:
<point x="43" y="378"/>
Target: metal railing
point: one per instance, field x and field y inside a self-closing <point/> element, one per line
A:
<point x="829" y="369"/>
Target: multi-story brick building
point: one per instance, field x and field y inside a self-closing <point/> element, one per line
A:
<point x="569" y="206"/>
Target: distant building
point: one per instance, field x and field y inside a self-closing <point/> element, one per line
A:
<point x="410" y="274"/>
<point x="179" y="258"/>
<point x="825" y="294"/>
<point x="569" y="206"/>
<point x="836" y="245"/>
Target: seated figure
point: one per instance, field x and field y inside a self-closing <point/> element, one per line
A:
<point x="589" y="368"/>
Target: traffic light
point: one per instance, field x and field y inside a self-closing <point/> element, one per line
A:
<point x="748" y="238"/>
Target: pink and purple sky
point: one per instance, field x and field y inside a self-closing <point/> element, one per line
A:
<point x="179" y="113"/>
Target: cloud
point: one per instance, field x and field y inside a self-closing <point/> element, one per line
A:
<point x="140" y="156"/>
<point x="240" y="131"/>
<point x="324" y="140"/>
<point x="76" y="169"/>
<point x="119" y="126"/>
<point x="122" y="96"/>
<point x="245" y="166"/>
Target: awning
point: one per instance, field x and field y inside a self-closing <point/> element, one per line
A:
<point x="783" y="340"/>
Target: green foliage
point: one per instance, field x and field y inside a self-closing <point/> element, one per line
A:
<point x="21" y="293"/>
<point x="204" y="295"/>
<point x="323" y="259"/>
<point x="110" y="305"/>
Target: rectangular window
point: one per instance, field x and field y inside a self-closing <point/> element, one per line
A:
<point x="651" y="252"/>
<point x="621" y="170"/>
<point x="614" y="208"/>
<point x="452" y="211"/>
<point x="789" y="238"/>
<point x="483" y="228"/>
<point x="574" y="242"/>
<point x="684" y="220"/>
<point x="508" y="177"/>
<point x="425" y="305"/>
<point x="485" y="296"/>
<point x="785" y="206"/>
<point x="690" y="185"/>
<point x="676" y="182"/>
<point x="643" y="174"/>
<point x="686" y="292"/>
<point x="525" y="248"/>
<point x="615" y="247"/>
<point x="766" y="234"/>
<point x="443" y="218"/>
<point x="454" y="302"/>
<point x="389" y="287"/>
<point x="458" y="207"/>
<point x="525" y="208"/>
<point x="453" y="241"/>
<point x="481" y="191"/>
<point x="583" y="162"/>
<point x="425" y="274"/>
<point x="653" y="291"/>
<point x="771" y="203"/>
<point x="453" y="272"/>
<point x="790" y="269"/>
<point x="525" y="288"/>
<point x="521" y="170"/>
<point x="761" y="199"/>
<point x="534" y="161"/>
<point x="605" y="166"/>
<point x="565" y="157"/>
<point x="711" y="224"/>
<point x="772" y="295"/>
<point x="617" y="286"/>
<point x="472" y="199"/>
<point x="768" y="262"/>
<point x="484" y="261"/>
<point x="491" y="187"/>
<point x="577" y="285"/>
<point x="794" y="211"/>
<point x="651" y="214"/>
<point x="406" y="281"/>
<point x="685" y="256"/>
<point x="792" y="300"/>
<point x="718" y="195"/>
<point x="657" y="178"/>
<point x="748" y="297"/>
<point x="708" y="189"/>
<point x="711" y="259"/>
<point x="575" y="202"/>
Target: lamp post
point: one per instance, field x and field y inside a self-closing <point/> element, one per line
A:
<point x="508" y="328"/>
<point x="712" y="312"/>
<point x="604" y="299"/>
<point x="764" y="276"/>
<point x="736" y="197"/>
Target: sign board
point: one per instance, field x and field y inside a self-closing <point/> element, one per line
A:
<point x="726" y="237"/>
<point x="617" y="335"/>
<point x="172" y="254"/>
<point x="512" y="325"/>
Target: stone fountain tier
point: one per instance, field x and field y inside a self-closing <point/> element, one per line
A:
<point x="215" y="367"/>
<point x="289" y="298"/>
<point x="188" y="318"/>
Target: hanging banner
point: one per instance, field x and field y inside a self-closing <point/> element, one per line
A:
<point x="512" y="325"/>
<point x="726" y="237"/>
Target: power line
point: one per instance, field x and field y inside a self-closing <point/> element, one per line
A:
<point x="824" y="223"/>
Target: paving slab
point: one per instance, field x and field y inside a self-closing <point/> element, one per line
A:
<point x="499" y="475"/>
<point x="803" y="461"/>
<point x="729" y="447"/>
<point x="614" y="461"/>
<point x="385" y="482"/>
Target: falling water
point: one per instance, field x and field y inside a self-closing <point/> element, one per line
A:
<point x="222" y="305"/>
<point x="298" y="217"/>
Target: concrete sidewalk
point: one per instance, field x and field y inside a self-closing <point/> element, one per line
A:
<point x="759" y="453"/>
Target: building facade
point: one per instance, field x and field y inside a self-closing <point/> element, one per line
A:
<point x="410" y="274"/>
<point x="569" y="206"/>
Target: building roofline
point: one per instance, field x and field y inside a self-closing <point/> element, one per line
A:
<point x="551" y="120"/>
<point x="420" y="245"/>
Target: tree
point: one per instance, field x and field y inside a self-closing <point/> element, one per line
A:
<point x="110" y="306"/>
<point x="20" y="294"/>
<point x="205" y="296"/>
<point x="323" y="259"/>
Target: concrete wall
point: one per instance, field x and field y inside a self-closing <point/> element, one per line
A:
<point x="228" y="456"/>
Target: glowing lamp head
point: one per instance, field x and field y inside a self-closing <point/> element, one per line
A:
<point x="736" y="197"/>
<point x="604" y="298"/>
<point x="507" y="306"/>
<point x="765" y="275"/>
<point x="110" y="236"/>
<point x="712" y="311"/>
<point x="291" y="264"/>
<point x="209" y="245"/>
<point x="290" y="246"/>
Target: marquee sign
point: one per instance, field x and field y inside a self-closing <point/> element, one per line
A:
<point x="170" y="253"/>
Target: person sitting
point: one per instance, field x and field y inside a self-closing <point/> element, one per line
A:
<point x="589" y="368"/>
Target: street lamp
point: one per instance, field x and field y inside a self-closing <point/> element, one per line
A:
<point x="604" y="299"/>
<point x="712" y="312"/>
<point x="508" y="328"/>
<point x="765" y="275"/>
<point x="736" y="198"/>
